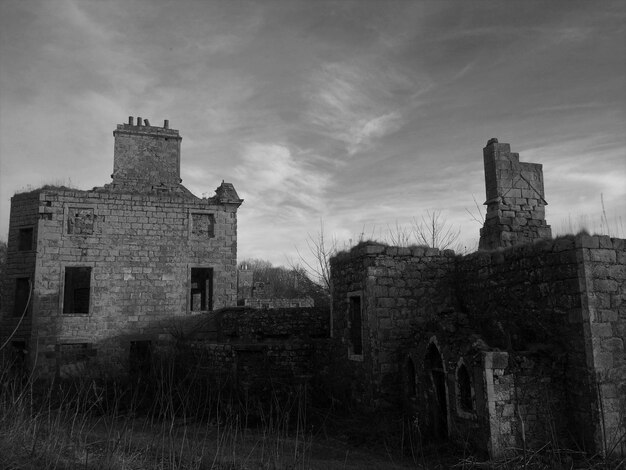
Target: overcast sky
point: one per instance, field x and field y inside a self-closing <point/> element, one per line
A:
<point x="362" y="114"/>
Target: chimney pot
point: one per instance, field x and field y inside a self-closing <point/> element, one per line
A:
<point x="138" y="121"/>
<point x="131" y="121"/>
<point x="166" y="124"/>
<point x="146" y="122"/>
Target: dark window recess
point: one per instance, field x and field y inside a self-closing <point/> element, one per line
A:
<point x="464" y="388"/>
<point x="25" y="241"/>
<point x="410" y="377"/>
<point x="201" y="295"/>
<point x="22" y="294"/>
<point x="80" y="221"/>
<point x="18" y="355"/>
<point x="202" y="225"/>
<point x="77" y="290"/>
<point x="139" y="357"/>
<point x="356" y="334"/>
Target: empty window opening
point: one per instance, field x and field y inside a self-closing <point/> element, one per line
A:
<point x="25" y="240"/>
<point x="356" y="334"/>
<point x="201" y="289"/>
<point x="80" y="221"/>
<point x="77" y="290"/>
<point x="464" y="389"/>
<point x="202" y="225"/>
<point x="140" y="355"/>
<point x="410" y="378"/>
<point x="22" y="296"/>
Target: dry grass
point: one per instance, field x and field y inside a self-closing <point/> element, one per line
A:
<point x="166" y="421"/>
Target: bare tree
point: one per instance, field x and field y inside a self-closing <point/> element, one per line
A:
<point x="434" y="231"/>
<point x="477" y="216"/>
<point x="400" y="235"/>
<point x="317" y="261"/>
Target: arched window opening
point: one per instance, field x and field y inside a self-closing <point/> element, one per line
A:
<point x="464" y="389"/>
<point x="410" y="377"/>
<point x="437" y="394"/>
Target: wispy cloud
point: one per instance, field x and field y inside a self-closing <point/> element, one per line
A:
<point x="274" y="177"/>
<point x="358" y="103"/>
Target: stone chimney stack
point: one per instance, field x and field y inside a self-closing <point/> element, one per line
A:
<point x="146" y="157"/>
<point x="515" y="199"/>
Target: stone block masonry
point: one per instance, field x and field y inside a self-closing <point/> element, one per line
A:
<point x="515" y="199"/>
<point x="539" y="328"/>
<point x="110" y="265"/>
<point x="384" y="295"/>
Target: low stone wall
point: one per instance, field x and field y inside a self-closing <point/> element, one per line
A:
<point x="246" y="324"/>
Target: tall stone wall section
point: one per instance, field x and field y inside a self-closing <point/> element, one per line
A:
<point x="527" y="299"/>
<point x="515" y="199"/>
<point x="401" y="290"/>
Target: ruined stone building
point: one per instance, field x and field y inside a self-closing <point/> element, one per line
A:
<point x="92" y="275"/>
<point x="519" y="344"/>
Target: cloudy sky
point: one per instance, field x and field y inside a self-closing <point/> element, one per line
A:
<point x="361" y="114"/>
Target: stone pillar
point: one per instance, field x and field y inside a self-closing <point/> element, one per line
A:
<point x="515" y="199"/>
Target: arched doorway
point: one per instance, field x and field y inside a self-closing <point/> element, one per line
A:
<point x="437" y="396"/>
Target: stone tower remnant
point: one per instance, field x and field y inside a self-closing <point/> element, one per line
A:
<point x="515" y="199"/>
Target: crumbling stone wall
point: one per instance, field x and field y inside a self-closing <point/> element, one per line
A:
<point x="553" y="309"/>
<point x="561" y="301"/>
<point x="527" y="298"/>
<point x="515" y="199"/>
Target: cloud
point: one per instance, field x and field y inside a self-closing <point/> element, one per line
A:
<point x="357" y="103"/>
<point x="276" y="179"/>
